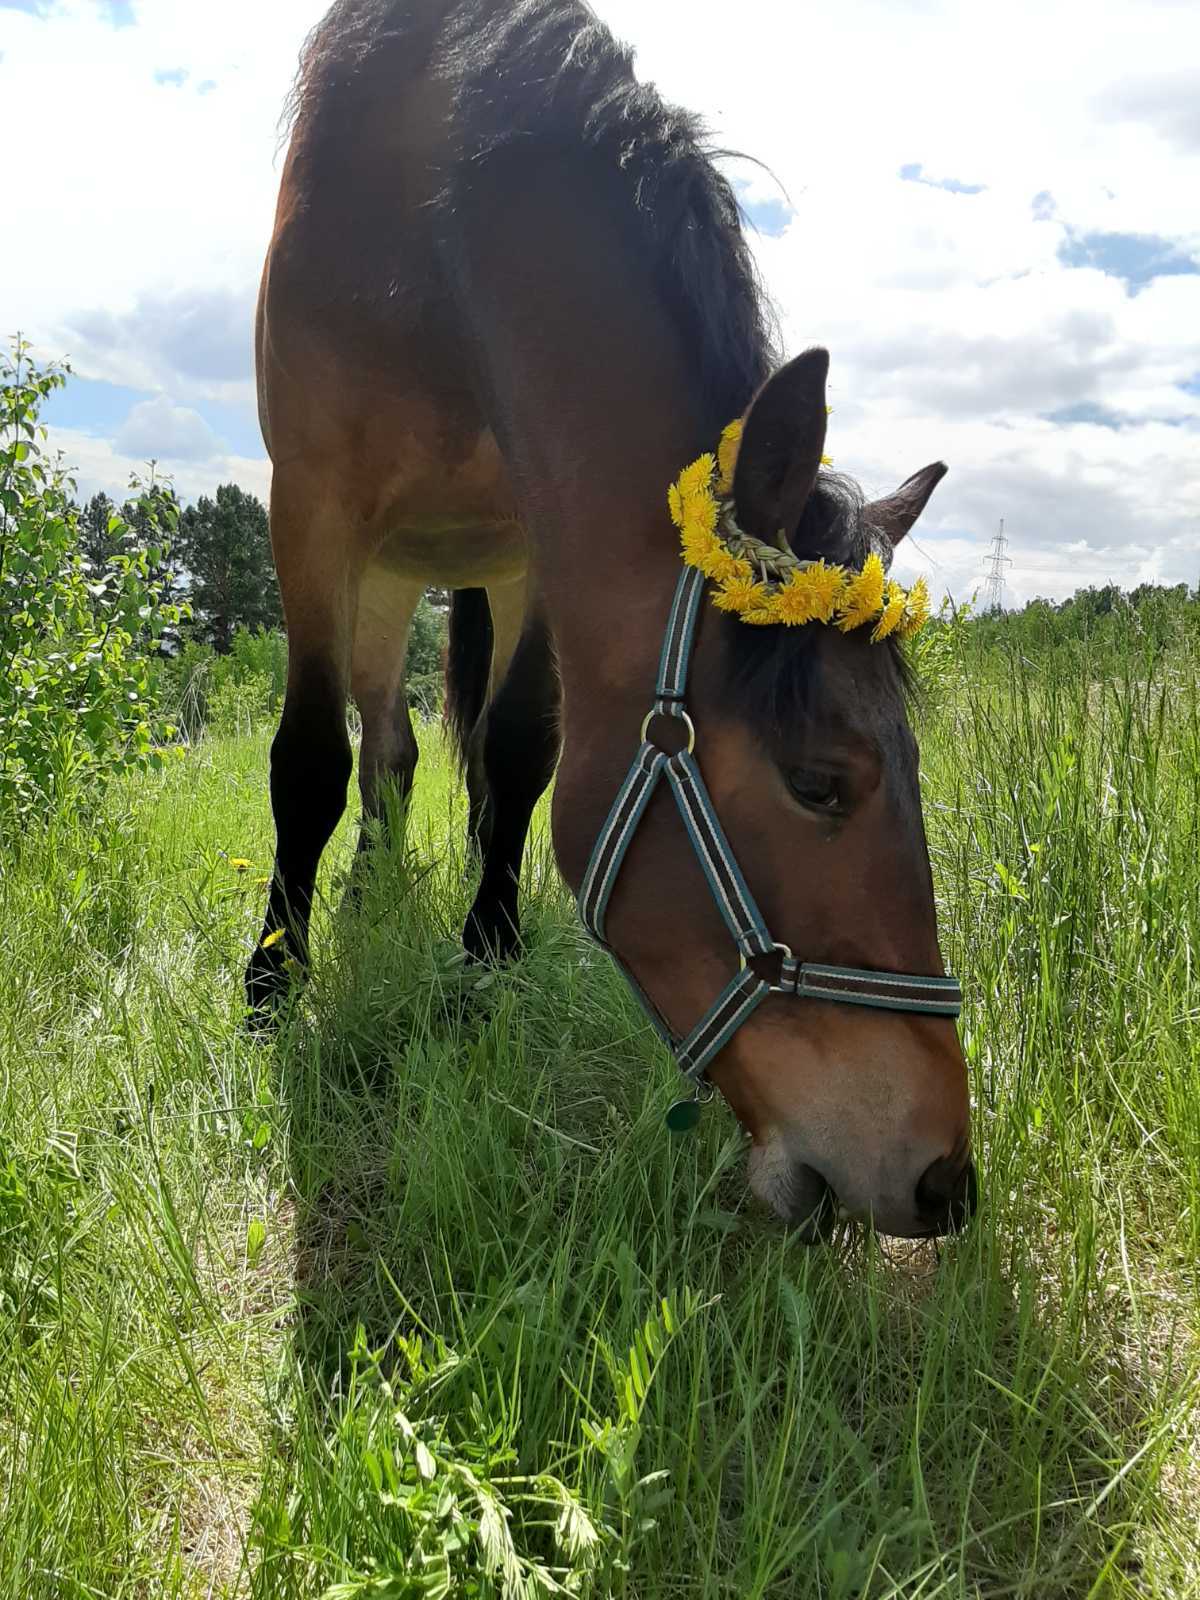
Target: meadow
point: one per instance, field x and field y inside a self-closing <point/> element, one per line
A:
<point x="422" y="1300"/>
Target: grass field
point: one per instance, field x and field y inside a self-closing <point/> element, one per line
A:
<point x="422" y="1300"/>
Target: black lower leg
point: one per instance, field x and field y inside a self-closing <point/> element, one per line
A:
<point x="520" y="749"/>
<point x="310" y="769"/>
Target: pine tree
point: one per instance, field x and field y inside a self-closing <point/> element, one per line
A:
<point x="96" y="543"/>
<point x="225" y="548"/>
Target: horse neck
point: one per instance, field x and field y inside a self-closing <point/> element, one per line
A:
<point x="597" y="406"/>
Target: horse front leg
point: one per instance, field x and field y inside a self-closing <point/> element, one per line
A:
<point x="311" y="761"/>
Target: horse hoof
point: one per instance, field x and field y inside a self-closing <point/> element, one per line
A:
<point x="269" y="984"/>
<point x="491" y="942"/>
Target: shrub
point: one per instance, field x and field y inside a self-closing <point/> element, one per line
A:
<point x="239" y="703"/>
<point x="76" y="640"/>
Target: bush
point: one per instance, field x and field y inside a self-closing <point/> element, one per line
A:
<point x="237" y="692"/>
<point x="239" y="705"/>
<point x="229" y="693"/>
<point x="76" y="641"/>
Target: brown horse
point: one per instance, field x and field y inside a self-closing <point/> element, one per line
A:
<point x="507" y="299"/>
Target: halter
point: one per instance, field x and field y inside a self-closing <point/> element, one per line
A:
<point x="742" y="996"/>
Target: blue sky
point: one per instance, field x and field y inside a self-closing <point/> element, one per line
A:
<point x="990" y="219"/>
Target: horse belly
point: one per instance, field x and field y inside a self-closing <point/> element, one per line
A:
<point x="451" y="556"/>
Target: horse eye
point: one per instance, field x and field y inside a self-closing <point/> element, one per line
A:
<point x="816" y="791"/>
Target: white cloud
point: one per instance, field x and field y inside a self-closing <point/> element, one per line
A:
<point x="955" y="328"/>
<point x="99" y="464"/>
<point x="157" y="430"/>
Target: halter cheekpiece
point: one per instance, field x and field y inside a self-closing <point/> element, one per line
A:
<point x="741" y="997"/>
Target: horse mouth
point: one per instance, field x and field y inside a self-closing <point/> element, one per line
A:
<point x="796" y="1192"/>
<point x="811" y="1206"/>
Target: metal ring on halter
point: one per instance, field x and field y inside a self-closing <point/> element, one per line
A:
<point x="782" y="950"/>
<point x="676" y="716"/>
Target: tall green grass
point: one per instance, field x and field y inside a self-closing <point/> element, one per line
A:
<point x="422" y="1299"/>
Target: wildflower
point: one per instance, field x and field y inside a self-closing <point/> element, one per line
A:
<point x="273" y="939"/>
<point x="706" y="552"/>
<point x="727" y="454"/>
<point x="863" y="599"/>
<point x="894" y="605"/>
<point x="916" y="613"/>
<point x="239" y="864"/>
<point x="700" y="513"/>
<point x="742" y="596"/>
<point x="811" y="594"/>
<point x="697" y="478"/>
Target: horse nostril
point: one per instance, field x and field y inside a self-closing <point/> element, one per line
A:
<point x="947" y="1194"/>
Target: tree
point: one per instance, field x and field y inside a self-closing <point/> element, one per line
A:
<point x="225" y="547"/>
<point x="97" y="542"/>
<point x="76" y="689"/>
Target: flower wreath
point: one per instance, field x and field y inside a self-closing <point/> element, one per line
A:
<point x="763" y="583"/>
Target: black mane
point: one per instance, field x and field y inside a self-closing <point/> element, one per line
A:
<point x="548" y="69"/>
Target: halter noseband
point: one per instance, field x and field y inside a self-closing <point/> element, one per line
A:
<point x="741" y="997"/>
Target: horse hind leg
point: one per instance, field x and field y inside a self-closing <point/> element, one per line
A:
<point x="388" y="758"/>
<point x="485" y="629"/>
<point x="310" y="755"/>
<point x="520" y="749"/>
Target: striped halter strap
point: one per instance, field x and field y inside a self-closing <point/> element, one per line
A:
<point x="741" y="997"/>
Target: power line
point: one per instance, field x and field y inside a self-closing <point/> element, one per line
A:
<point x="995" y="578"/>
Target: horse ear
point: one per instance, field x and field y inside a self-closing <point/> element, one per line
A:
<point x="894" y="516"/>
<point x="783" y="441"/>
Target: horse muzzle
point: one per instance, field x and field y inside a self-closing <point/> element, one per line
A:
<point x="939" y="1200"/>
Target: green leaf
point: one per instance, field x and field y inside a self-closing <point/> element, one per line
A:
<point x="256" y="1238"/>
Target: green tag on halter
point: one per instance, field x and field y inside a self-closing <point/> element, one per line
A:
<point x="684" y="1116"/>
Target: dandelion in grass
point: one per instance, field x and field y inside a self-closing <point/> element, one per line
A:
<point x="240" y="864"/>
<point x="272" y="939"/>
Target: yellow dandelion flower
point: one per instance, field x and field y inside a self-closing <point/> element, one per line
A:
<point x="723" y="567"/>
<point x="811" y="594"/>
<point x="700" y="548"/>
<point x="863" y="599"/>
<point x="700" y="512"/>
<point x="731" y="443"/>
<point x="709" y="555"/>
<point x="894" y="603"/>
<point x="273" y="939"/>
<point x="826" y="461"/>
<point x="916" y="612"/>
<point x="741" y="596"/>
<point x="675" y="504"/>
<point x="262" y="883"/>
<point x="697" y="479"/>
<point x="763" y="616"/>
<point x="240" y="865"/>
